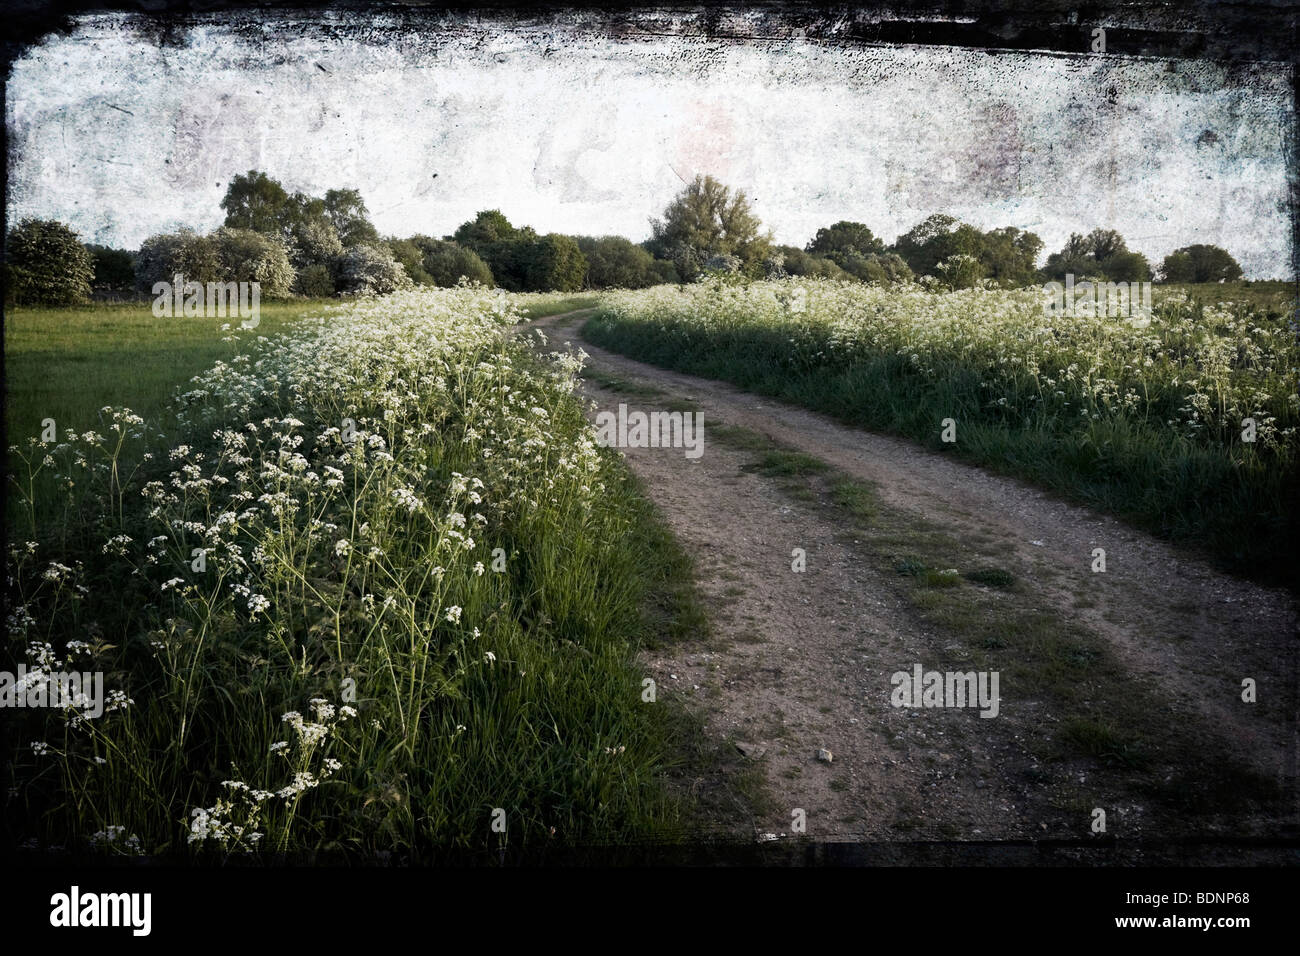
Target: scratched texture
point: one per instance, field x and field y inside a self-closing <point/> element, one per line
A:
<point x="584" y="121"/>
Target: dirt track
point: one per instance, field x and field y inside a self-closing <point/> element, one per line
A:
<point x="801" y="662"/>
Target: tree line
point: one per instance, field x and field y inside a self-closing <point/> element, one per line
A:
<point x="296" y="244"/>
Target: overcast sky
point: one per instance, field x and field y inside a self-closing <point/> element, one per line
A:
<point x="579" y="134"/>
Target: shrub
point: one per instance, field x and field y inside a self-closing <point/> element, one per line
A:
<point x="723" y="263"/>
<point x="797" y="262"/>
<point x="617" y="263"/>
<point x="665" y="271"/>
<point x="411" y="258"/>
<point x="114" y="269"/>
<point x="960" y="271"/>
<point x="186" y="253"/>
<point x="553" y="263"/>
<point x="885" y="269"/>
<point x="314" y="242"/>
<point x="368" y="269"/>
<point x="315" y="281"/>
<point x="47" y="264"/>
<point x="446" y="263"/>
<point x="247" y="256"/>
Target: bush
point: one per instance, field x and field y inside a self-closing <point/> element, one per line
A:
<point x="228" y="255"/>
<point x="724" y="264"/>
<point x="247" y="256"/>
<point x="886" y="269"/>
<point x="617" y="263"/>
<point x="664" y="271"/>
<point x="315" y="242"/>
<point x="47" y="264"/>
<point x="797" y="262"/>
<point x="186" y="253"/>
<point x="446" y="263"/>
<point x="553" y="263"/>
<point x="960" y="271"/>
<point x="411" y="258"/>
<point x="1126" y="266"/>
<point x="114" y="269"/>
<point x="368" y="269"/>
<point x="316" y="281"/>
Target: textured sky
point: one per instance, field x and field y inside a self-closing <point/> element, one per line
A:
<point x="572" y="132"/>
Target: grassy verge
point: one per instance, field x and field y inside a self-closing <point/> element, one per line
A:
<point x="381" y="595"/>
<point x="1157" y="468"/>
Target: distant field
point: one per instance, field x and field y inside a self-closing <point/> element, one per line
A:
<point x="1273" y="295"/>
<point x="538" y="305"/>
<point x="67" y="364"/>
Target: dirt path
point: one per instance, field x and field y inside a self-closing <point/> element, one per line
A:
<point x="802" y="661"/>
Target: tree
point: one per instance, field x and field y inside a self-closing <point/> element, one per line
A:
<point x="1200" y="263"/>
<point x="486" y="229"/>
<point x="842" y="237"/>
<point x="256" y="201"/>
<point x="1101" y="254"/>
<point x="1104" y="243"/>
<point x="114" y="269"/>
<point x="502" y="246"/>
<point x="347" y="212"/>
<point x="1126" y="266"/>
<point x="855" y="249"/>
<point x="617" y="263"/>
<point x="935" y="239"/>
<point x="553" y="263"/>
<point x="47" y="264"/>
<point x="707" y="219"/>
<point x="1010" y="255"/>
<point x="308" y="232"/>
<point x="446" y="262"/>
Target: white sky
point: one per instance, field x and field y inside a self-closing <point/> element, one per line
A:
<point x="599" y="135"/>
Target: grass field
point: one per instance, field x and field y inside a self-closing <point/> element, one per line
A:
<point x="1143" y="419"/>
<point x="379" y="590"/>
<point x="67" y="364"/>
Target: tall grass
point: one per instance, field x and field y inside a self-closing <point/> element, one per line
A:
<point x="1139" y="418"/>
<point x="383" y="592"/>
